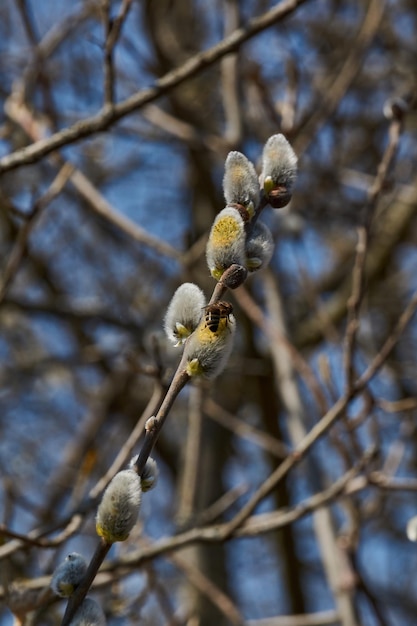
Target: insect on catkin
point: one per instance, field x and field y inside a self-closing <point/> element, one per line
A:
<point x="208" y="349"/>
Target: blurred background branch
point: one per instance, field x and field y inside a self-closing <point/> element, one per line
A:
<point x="286" y="484"/>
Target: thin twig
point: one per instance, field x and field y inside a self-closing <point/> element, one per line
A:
<point x="117" y="24"/>
<point x="396" y="406"/>
<point x="229" y="79"/>
<point x="113" y="27"/>
<point x="21" y="243"/>
<point x="51" y="41"/>
<point x="108" y="57"/>
<point x="268" y="521"/>
<point x="221" y="505"/>
<point x="102" y="207"/>
<point x="287" y="464"/>
<point x="22" y="115"/>
<point x="388" y="346"/>
<point x="321" y="618"/>
<point x="209" y="589"/>
<point x="381" y="480"/>
<point x="192" y="453"/>
<point x="126" y="450"/>
<point x="388" y="232"/>
<point x="333" y="91"/>
<point x="336" y="567"/>
<point x="255" y="313"/>
<point x="358" y="274"/>
<point x="155" y="423"/>
<point x="366" y="591"/>
<point x="184" y="131"/>
<point x="270" y="444"/>
<point x="354" y="304"/>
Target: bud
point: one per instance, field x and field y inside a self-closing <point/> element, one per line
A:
<point x="234" y="276"/>
<point x="395" y="108"/>
<point x="259" y="247"/>
<point x="184" y="312"/>
<point x="226" y="244"/>
<point x="240" y="182"/>
<point x="89" y="613"/>
<point x="208" y="349"/>
<point x="279" y="171"/>
<point x="68" y="575"/>
<point x="119" y="507"/>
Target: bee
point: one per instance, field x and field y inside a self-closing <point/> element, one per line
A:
<point x="217" y="312"/>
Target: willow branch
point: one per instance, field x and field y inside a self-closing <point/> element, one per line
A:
<point x="358" y="274"/>
<point x="107" y="117"/>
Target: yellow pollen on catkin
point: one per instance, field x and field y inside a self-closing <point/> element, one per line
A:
<point x="225" y="231"/>
<point x="207" y="336"/>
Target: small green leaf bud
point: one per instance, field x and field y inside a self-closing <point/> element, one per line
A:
<point x="259" y="247"/>
<point x="226" y="244"/>
<point x="208" y="348"/>
<point x="119" y="507"/>
<point x="184" y="312"/>
<point x="89" y="613"/>
<point x="279" y="171"/>
<point x="240" y="182"/>
<point x="68" y="575"/>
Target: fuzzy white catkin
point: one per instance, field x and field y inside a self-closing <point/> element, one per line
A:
<point x="412" y="529"/>
<point x="68" y="575"/>
<point x="89" y="613"/>
<point x="240" y="181"/>
<point x="119" y="507"/>
<point x="208" y="351"/>
<point x="184" y="312"/>
<point x="226" y="243"/>
<point x="150" y="473"/>
<point x="279" y="162"/>
<point x="259" y="247"/>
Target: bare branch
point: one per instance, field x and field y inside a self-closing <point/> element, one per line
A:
<point x="108" y="117"/>
<point x="22" y="240"/>
<point x="241" y="429"/>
